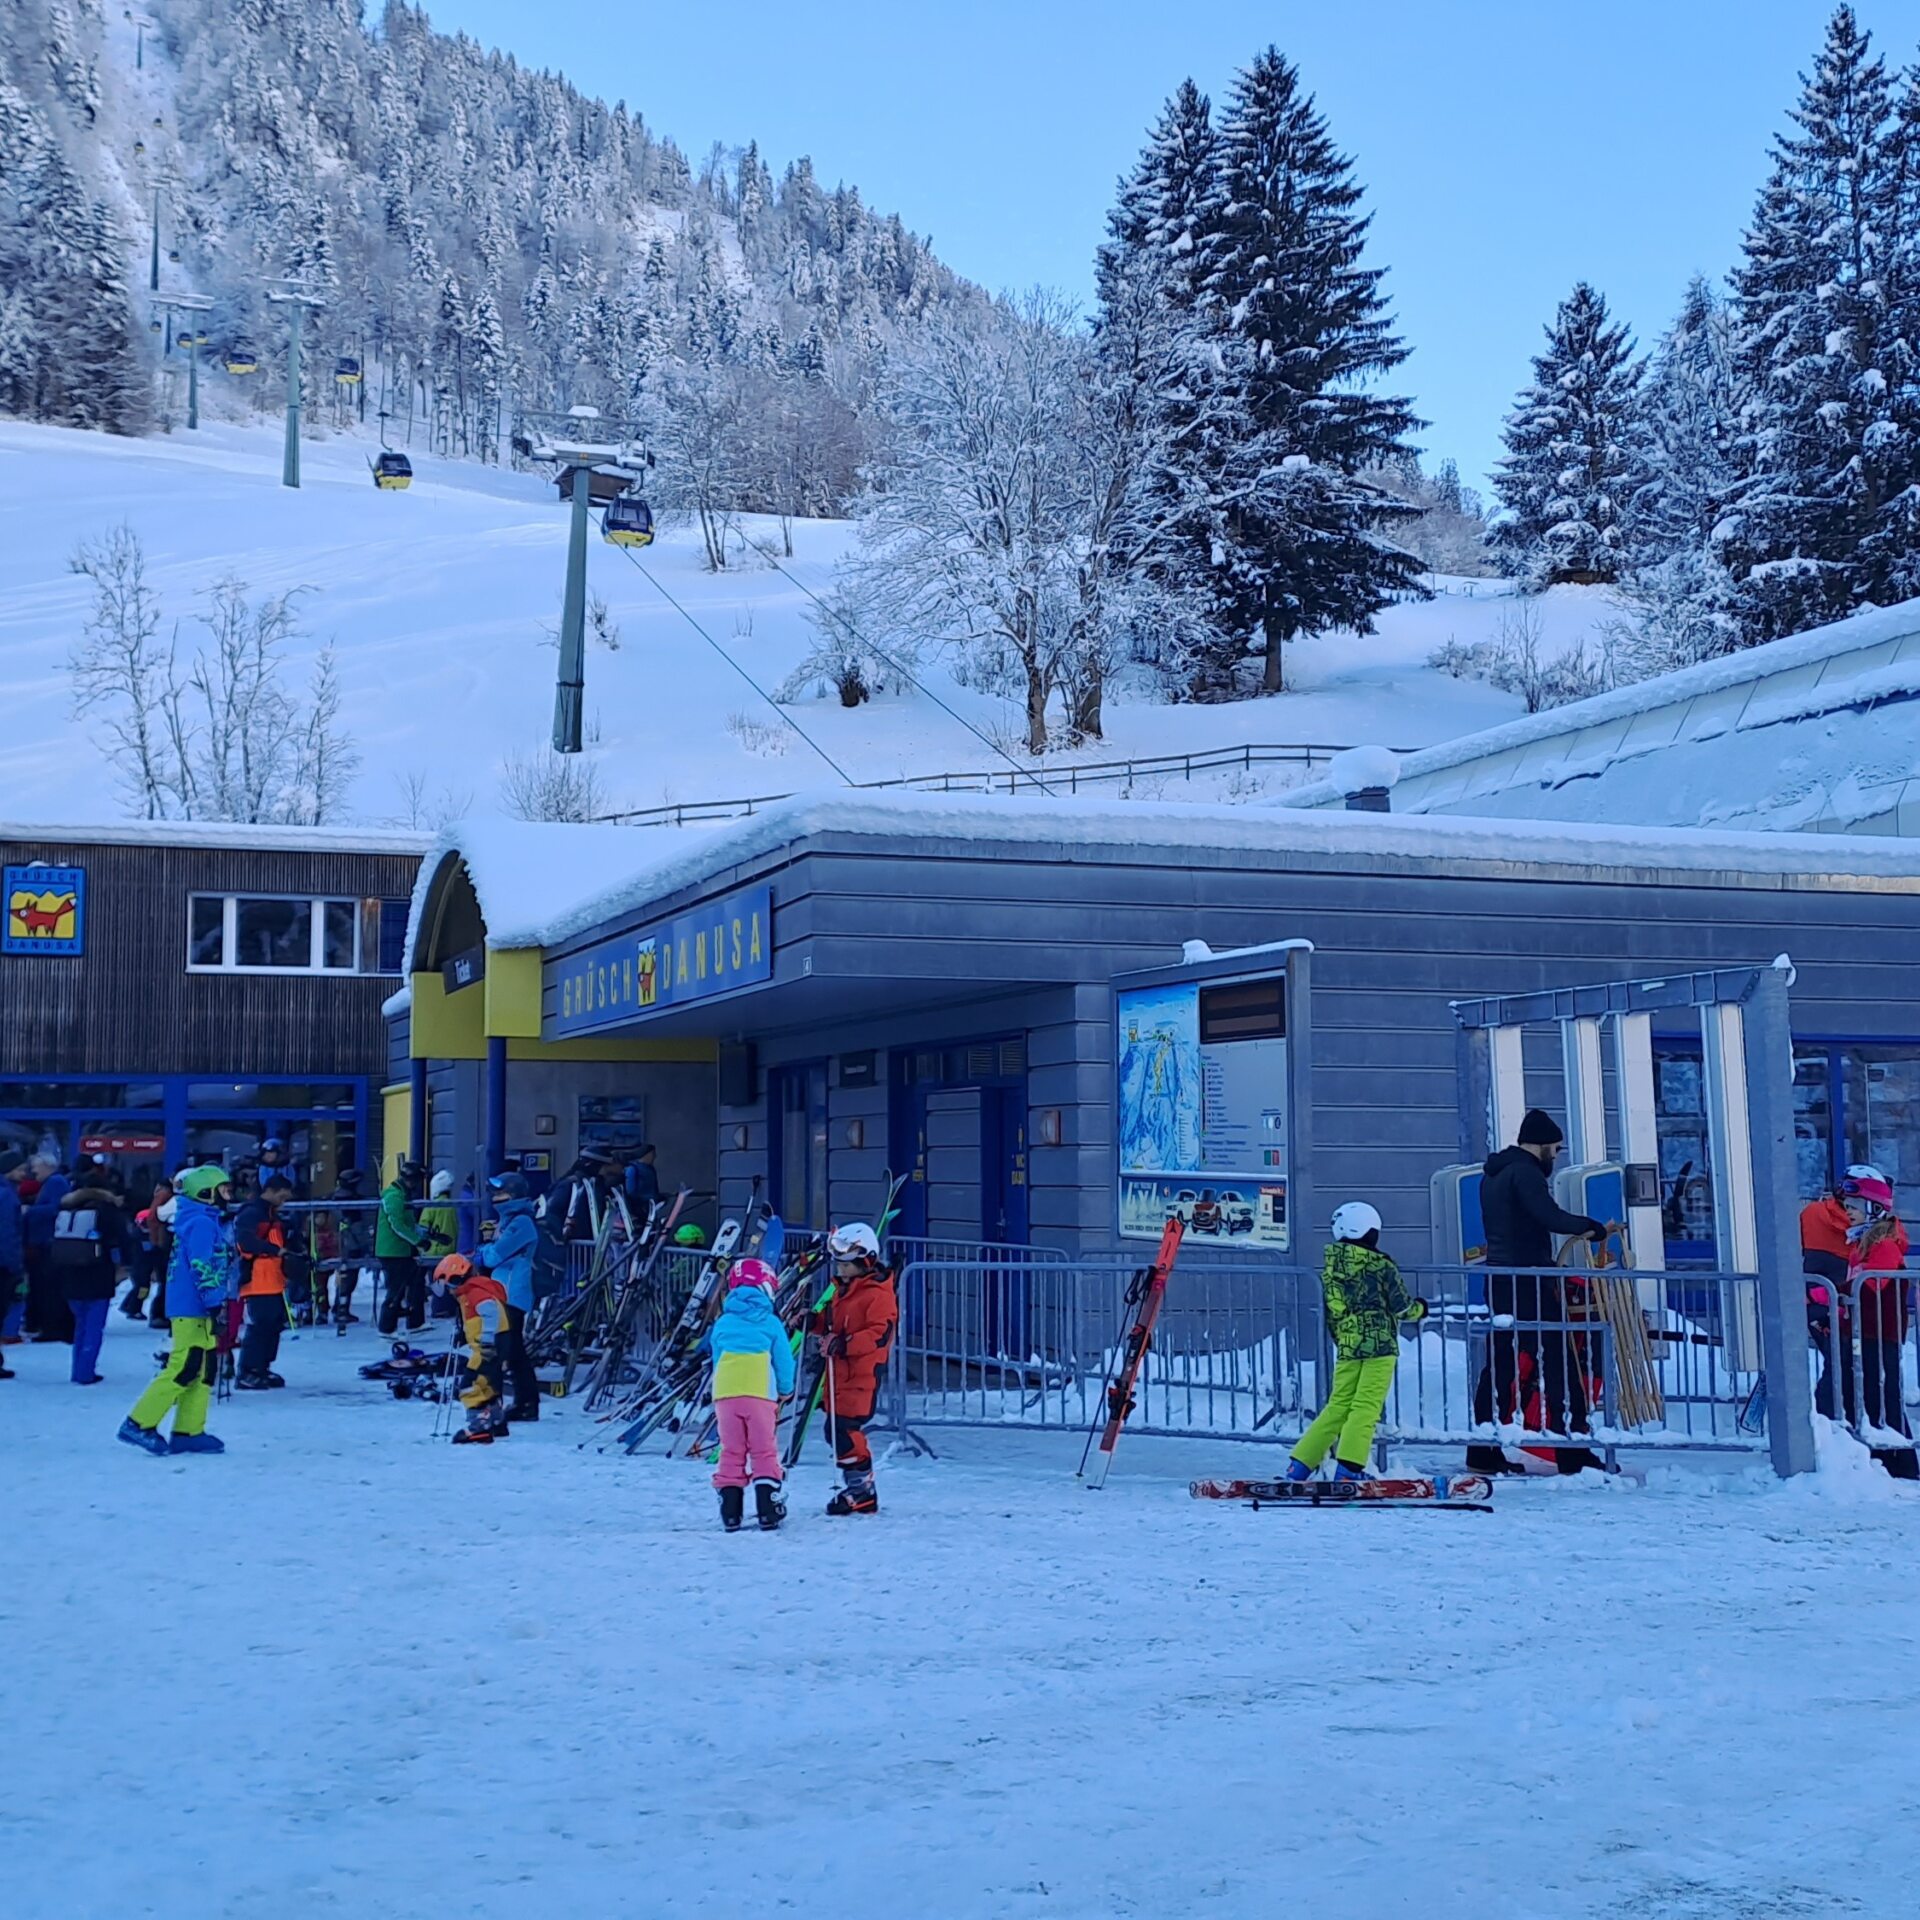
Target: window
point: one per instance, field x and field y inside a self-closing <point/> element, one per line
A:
<point x="393" y="936"/>
<point x="270" y="933"/>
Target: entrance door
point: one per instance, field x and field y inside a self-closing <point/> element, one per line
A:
<point x="396" y="1127"/>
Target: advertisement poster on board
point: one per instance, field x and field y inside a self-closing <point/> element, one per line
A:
<point x="1202" y="1109"/>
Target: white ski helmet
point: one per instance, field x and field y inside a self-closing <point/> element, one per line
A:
<point x="855" y="1241"/>
<point x="1355" y="1220"/>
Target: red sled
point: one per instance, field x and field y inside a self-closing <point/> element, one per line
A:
<point x="1462" y="1490"/>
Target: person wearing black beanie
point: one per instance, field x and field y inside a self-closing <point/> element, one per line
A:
<point x="1521" y="1218"/>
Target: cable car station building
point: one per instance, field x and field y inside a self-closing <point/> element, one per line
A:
<point x="844" y="985"/>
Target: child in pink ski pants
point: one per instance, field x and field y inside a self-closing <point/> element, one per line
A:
<point x="752" y="1373"/>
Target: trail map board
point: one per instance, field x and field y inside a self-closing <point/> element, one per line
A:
<point x="1202" y="1109"/>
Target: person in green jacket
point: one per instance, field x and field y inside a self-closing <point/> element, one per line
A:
<point x="1366" y="1302"/>
<point x="397" y="1242"/>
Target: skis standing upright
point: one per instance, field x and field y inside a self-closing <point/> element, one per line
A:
<point x="1145" y="1295"/>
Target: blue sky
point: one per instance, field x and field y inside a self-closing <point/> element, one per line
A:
<point x="1509" y="147"/>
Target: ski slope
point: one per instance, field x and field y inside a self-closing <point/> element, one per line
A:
<point x="348" y="1670"/>
<point x="442" y="602"/>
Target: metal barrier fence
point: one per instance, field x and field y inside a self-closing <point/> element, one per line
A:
<point x="1870" y="1347"/>
<point x="1242" y="1351"/>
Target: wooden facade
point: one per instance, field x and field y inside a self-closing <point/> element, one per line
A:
<point x="129" y="1004"/>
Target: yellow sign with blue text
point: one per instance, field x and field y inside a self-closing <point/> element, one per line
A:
<point x="716" y="949"/>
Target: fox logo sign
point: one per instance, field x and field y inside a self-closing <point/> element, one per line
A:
<point x="46" y="910"/>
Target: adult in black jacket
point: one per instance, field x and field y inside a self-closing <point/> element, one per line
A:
<point x="1521" y="1218"/>
<point x="643" y="1184"/>
<point x="93" y="1244"/>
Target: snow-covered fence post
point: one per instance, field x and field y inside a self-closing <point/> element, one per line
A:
<point x="1776" y="1184"/>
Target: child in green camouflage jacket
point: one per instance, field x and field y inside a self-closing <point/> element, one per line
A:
<point x="1366" y="1302"/>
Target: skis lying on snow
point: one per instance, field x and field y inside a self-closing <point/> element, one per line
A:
<point x="1145" y="1294"/>
<point x="1464" y="1490"/>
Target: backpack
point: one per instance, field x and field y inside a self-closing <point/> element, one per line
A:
<point x="550" y="1254"/>
<point x="76" y="1238"/>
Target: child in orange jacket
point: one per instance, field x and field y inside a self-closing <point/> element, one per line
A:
<point x="481" y="1301"/>
<point x="855" y="1329"/>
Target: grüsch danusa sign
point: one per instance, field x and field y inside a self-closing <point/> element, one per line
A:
<point x="712" y="950"/>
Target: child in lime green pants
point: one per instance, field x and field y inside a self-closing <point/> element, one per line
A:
<point x="185" y="1383"/>
<point x="1366" y="1301"/>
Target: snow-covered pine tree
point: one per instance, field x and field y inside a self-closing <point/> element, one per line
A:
<point x="1829" y="518"/>
<point x="1686" y="478"/>
<point x="1157" y="214"/>
<point x="1566" y="483"/>
<point x="1299" y="543"/>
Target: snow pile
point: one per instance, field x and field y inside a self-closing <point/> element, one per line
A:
<point x="1361" y="768"/>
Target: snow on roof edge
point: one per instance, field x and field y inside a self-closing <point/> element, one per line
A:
<point x="1872" y="627"/>
<point x="218" y="834"/>
<point x="503" y="854"/>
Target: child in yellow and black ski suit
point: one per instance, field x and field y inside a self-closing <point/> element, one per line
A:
<point x="482" y="1304"/>
<point x="1366" y="1301"/>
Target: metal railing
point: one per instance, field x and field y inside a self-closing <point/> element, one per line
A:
<point x="1242" y="1351"/>
<point x="1870" y="1349"/>
<point x="1039" y="779"/>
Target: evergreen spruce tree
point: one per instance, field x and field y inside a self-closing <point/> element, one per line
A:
<point x="1687" y="477"/>
<point x="1298" y="330"/>
<point x="1565" y="484"/>
<point x="1155" y="225"/>
<point x="1829" y="518"/>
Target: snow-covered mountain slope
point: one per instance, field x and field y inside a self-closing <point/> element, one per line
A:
<point x="441" y="602"/>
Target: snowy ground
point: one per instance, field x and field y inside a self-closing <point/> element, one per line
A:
<point x="441" y="601"/>
<point x="347" y="1670"/>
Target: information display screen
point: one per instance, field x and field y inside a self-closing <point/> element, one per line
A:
<point x="1202" y="1110"/>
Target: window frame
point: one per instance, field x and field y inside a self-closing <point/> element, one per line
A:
<point x="316" y="904"/>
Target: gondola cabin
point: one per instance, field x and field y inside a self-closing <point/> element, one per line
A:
<point x="393" y="473"/>
<point x="346" y="370"/>
<point x="627" y="522"/>
<point x="240" y="360"/>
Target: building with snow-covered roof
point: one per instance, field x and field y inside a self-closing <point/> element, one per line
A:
<point x="924" y="983"/>
<point x="1819" y="733"/>
<point x="174" y="992"/>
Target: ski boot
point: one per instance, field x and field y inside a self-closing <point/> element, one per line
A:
<point x="150" y="1439"/>
<point x="195" y="1443"/>
<point x="733" y="1501"/>
<point x="1299" y="1470"/>
<point x="1344" y="1471"/>
<point x="857" y="1496"/>
<point x="253" y="1383"/>
<point x="274" y="1379"/>
<point x="531" y="1412"/>
<point x="766" y="1499"/>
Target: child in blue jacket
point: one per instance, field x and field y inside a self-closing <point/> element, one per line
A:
<point x="508" y="1256"/>
<point x="752" y="1352"/>
<point x="200" y="1281"/>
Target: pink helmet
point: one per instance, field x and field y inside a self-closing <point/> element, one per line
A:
<point x="752" y="1273"/>
<point x="1871" y="1185"/>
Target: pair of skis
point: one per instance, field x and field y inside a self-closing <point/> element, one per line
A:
<point x="1146" y="1294"/>
<point x="1464" y="1492"/>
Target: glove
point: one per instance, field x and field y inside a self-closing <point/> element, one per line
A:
<point x="1594" y="1231"/>
<point x="834" y="1346"/>
<point x="1420" y="1309"/>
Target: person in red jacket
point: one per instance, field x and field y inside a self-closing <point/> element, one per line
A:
<point x="1879" y="1278"/>
<point x="855" y="1329"/>
<point x="1827" y="1226"/>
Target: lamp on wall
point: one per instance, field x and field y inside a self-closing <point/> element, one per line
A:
<point x="545" y="1123"/>
<point x="856" y="1132"/>
<point x="1048" y="1127"/>
<point x="740" y="1138"/>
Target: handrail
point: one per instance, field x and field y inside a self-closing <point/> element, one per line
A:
<point x="1041" y="779"/>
